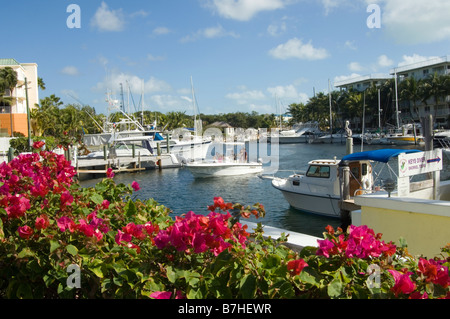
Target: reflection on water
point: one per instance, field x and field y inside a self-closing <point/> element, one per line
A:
<point x="178" y="190"/>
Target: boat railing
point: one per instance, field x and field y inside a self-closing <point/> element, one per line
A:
<point x="272" y="176"/>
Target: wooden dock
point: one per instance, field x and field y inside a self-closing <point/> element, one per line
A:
<point x="93" y="166"/>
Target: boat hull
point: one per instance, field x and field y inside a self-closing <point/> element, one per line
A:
<point x="223" y="169"/>
<point x="320" y="204"/>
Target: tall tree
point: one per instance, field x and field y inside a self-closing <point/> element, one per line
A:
<point x="409" y="90"/>
<point x="9" y="79"/>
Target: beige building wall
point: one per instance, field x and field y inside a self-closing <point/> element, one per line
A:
<point x="15" y="120"/>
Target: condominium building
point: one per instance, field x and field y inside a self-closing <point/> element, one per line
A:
<point x="421" y="71"/>
<point x="13" y="113"/>
<point x="361" y="83"/>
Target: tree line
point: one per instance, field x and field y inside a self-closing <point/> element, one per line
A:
<point x="357" y="106"/>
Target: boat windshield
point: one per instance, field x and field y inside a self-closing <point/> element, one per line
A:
<point x="318" y="171"/>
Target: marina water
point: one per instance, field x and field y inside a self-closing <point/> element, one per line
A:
<point x="176" y="188"/>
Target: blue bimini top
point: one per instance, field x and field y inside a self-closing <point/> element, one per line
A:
<point x="382" y="155"/>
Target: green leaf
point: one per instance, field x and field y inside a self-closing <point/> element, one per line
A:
<point x="271" y="261"/>
<point x="26" y="252"/>
<point x="171" y="275"/>
<point x="248" y="286"/>
<point x="130" y="209"/>
<point x="71" y="249"/>
<point x="24" y="291"/>
<point x="335" y="288"/>
<point x="54" y="244"/>
<point x="97" y="271"/>
<point x="309" y="276"/>
<point x="97" y="198"/>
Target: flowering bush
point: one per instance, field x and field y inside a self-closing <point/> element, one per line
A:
<point x="126" y="248"/>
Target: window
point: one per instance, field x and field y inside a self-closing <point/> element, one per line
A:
<point x="318" y="171"/>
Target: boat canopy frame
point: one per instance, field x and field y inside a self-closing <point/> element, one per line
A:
<point x="379" y="156"/>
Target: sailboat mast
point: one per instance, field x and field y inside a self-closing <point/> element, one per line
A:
<point x="396" y="100"/>
<point x="195" y="108"/>
<point x="331" y="113"/>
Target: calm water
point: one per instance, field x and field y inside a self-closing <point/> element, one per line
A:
<point x="178" y="190"/>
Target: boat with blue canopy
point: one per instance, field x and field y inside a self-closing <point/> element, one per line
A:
<point x="318" y="191"/>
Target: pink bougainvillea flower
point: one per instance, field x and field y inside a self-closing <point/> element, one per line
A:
<point x="161" y="295"/>
<point x="403" y="283"/>
<point x="42" y="222"/>
<point x="295" y="267"/>
<point x="427" y="269"/>
<point x="123" y="238"/>
<point x="17" y="206"/>
<point x="105" y="204"/>
<point x="38" y="144"/>
<point x="135" y="186"/>
<point x="418" y="295"/>
<point x="25" y="232"/>
<point x="110" y="173"/>
<point x="66" y="198"/>
<point x="65" y="223"/>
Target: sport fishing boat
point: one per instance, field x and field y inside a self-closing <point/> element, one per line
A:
<point x="318" y="191"/>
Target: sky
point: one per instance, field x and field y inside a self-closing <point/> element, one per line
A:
<point x="242" y="55"/>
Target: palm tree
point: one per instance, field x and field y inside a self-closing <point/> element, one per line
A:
<point x="46" y="116"/>
<point x="436" y="87"/>
<point x="410" y="91"/>
<point x="41" y="83"/>
<point x="9" y="80"/>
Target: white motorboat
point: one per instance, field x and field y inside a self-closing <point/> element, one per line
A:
<point x="340" y="137"/>
<point x="318" y="191"/>
<point x="218" y="168"/>
<point x="127" y="147"/>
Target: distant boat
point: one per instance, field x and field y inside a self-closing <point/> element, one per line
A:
<point x="318" y="191"/>
<point x="216" y="169"/>
<point x="187" y="150"/>
<point x="127" y="147"/>
<point x="339" y="137"/>
<point x="406" y="135"/>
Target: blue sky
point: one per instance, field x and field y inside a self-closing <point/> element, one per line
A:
<point x="243" y="55"/>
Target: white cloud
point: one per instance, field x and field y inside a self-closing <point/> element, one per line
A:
<point x="355" y="66"/>
<point x="70" y="70"/>
<point x="416" y="21"/>
<point x="277" y="29"/>
<point x="134" y="83"/>
<point x="295" y="48"/>
<point x="330" y="5"/>
<point x="410" y="59"/>
<point x="384" y="61"/>
<point x="152" y="57"/>
<point x="244" y="10"/>
<point x="351" y="45"/>
<point x="108" y="20"/>
<point x="245" y="96"/>
<point x="288" y="92"/>
<point x="210" y="33"/>
<point x="161" y="31"/>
